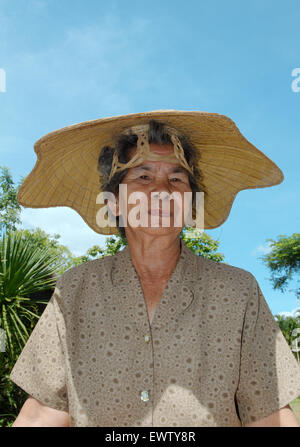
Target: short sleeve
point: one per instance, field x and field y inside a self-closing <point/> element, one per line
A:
<point x="40" y="368"/>
<point x="269" y="376"/>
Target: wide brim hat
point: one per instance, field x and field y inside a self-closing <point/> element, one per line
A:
<point x="66" y="173"/>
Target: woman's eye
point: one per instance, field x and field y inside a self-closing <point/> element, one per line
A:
<point x="146" y="177"/>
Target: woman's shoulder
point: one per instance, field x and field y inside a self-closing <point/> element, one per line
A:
<point x="83" y="282"/>
<point x="75" y="274"/>
<point x="222" y="270"/>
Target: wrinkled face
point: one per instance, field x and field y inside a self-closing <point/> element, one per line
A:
<point x="156" y="215"/>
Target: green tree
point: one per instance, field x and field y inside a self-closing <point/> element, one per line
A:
<point x="9" y="207"/>
<point x="10" y="211"/>
<point x="38" y="238"/>
<point x="25" y="270"/>
<point x="284" y="261"/>
<point x="113" y="245"/>
<point x="201" y="244"/>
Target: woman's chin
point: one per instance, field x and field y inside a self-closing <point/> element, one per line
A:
<point x="155" y="230"/>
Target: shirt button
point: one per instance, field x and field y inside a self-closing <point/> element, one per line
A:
<point x="144" y="395"/>
<point x="147" y="338"/>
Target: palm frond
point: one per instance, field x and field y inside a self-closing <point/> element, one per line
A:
<point x="25" y="270"/>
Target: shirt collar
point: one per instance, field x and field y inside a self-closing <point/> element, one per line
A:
<point x="123" y="270"/>
<point x="177" y="296"/>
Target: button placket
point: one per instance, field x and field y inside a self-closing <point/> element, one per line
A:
<point x="125" y="279"/>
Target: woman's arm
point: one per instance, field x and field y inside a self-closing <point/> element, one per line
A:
<point x="284" y="417"/>
<point x="35" y="414"/>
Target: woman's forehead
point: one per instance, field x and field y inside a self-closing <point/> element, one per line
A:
<point x="153" y="166"/>
<point x="162" y="149"/>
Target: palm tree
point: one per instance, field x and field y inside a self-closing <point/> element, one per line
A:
<point x="28" y="275"/>
<point x="25" y="271"/>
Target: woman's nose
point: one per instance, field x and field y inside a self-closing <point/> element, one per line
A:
<point x="162" y="195"/>
<point x="162" y="187"/>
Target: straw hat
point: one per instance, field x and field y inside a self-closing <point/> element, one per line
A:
<point x="66" y="172"/>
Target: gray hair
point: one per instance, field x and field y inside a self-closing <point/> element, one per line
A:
<point x="157" y="135"/>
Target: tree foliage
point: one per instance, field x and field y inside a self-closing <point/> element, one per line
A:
<point x="25" y="270"/>
<point x="9" y="206"/>
<point x="202" y="244"/>
<point x="39" y="239"/>
<point x="287" y="325"/>
<point x="113" y="245"/>
<point x="284" y="261"/>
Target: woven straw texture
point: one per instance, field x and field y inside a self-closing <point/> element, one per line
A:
<point x="66" y="172"/>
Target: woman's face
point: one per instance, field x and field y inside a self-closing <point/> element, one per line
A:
<point x="157" y="216"/>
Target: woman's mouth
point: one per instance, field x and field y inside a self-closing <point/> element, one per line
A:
<point x="159" y="212"/>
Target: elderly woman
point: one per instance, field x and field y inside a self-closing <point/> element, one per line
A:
<point x="154" y="335"/>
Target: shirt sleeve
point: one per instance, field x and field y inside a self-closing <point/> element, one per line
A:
<point x="40" y="368"/>
<point x="269" y="376"/>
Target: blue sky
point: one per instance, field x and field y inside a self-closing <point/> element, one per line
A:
<point x="72" y="61"/>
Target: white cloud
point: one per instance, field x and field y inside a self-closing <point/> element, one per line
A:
<point x="74" y="232"/>
<point x="293" y="313"/>
<point x="262" y="249"/>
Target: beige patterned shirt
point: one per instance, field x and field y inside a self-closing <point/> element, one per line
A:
<point x="213" y="356"/>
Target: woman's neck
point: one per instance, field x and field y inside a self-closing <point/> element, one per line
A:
<point x="155" y="262"/>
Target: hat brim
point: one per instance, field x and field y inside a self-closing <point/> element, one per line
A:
<point x="65" y="173"/>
